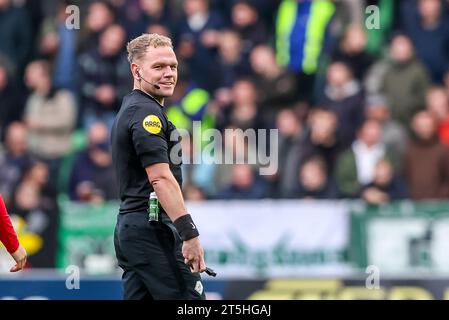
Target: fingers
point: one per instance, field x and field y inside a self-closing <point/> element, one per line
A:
<point x="14" y="269"/>
<point x="19" y="265"/>
<point x="189" y="263"/>
<point x="22" y="263"/>
<point x="202" y="264"/>
<point x="195" y="265"/>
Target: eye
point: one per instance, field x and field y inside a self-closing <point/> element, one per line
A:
<point x="174" y="67"/>
<point x="157" y="67"/>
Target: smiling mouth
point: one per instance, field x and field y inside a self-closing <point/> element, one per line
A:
<point x="167" y="84"/>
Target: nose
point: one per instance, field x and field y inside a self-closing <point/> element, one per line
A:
<point x="169" y="72"/>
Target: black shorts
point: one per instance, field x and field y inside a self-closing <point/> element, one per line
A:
<point x="152" y="262"/>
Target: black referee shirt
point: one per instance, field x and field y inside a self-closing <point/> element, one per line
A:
<point x="141" y="137"/>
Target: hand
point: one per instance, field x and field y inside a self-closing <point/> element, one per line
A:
<point x="20" y="256"/>
<point x="375" y="196"/>
<point x="193" y="255"/>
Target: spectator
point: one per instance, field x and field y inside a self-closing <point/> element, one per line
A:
<point x="137" y="16"/>
<point x="245" y="20"/>
<point x="385" y="187"/>
<point x="244" y="185"/>
<point x="429" y="31"/>
<point x="394" y="135"/>
<point x="313" y="181"/>
<point x="276" y="86"/>
<point x="15" y="34"/>
<point x="105" y="77"/>
<point x="290" y="151"/>
<point x="198" y="36"/>
<point x="50" y="114"/>
<point x="356" y="166"/>
<point x="352" y="51"/>
<point x="34" y="201"/>
<point x="59" y="43"/>
<point x="92" y="178"/>
<point x="437" y="103"/>
<point x="100" y="15"/>
<point x="200" y="175"/>
<point x="233" y="64"/>
<point x="426" y="161"/>
<point x="297" y="46"/>
<point x="235" y="149"/>
<point x="347" y="13"/>
<point x="405" y="81"/>
<point x="243" y="112"/>
<point x="266" y="11"/>
<point x="11" y="100"/>
<point x="321" y="139"/>
<point x="14" y="160"/>
<point x="343" y="95"/>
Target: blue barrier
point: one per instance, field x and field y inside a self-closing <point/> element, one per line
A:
<point x="93" y="288"/>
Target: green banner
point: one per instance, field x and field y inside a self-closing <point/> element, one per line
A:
<point x="86" y="236"/>
<point x="402" y="237"/>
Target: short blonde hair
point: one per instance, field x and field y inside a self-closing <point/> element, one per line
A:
<point x="137" y="47"/>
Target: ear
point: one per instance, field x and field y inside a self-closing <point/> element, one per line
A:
<point x="135" y="71"/>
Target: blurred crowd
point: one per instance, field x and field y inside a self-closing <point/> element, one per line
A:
<point x="362" y="112"/>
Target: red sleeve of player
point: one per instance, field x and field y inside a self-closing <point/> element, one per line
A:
<point x="7" y="234"/>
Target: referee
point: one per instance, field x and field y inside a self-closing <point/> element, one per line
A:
<point x="159" y="252"/>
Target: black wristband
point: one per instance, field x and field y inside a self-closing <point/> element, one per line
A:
<point x="186" y="228"/>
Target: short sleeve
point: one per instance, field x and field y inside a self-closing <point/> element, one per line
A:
<point x="148" y="127"/>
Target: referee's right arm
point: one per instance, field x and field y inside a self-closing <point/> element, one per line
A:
<point x="148" y="131"/>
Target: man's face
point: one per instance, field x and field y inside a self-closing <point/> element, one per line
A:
<point x="242" y="176"/>
<point x="261" y="57"/>
<point x="159" y="66"/>
<point x="338" y="74"/>
<point x="370" y="133"/>
<point x="16" y="139"/>
<point x="401" y="49"/>
<point x="355" y="39"/>
<point x="424" y="126"/>
<point x="243" y="92"/>
<point x="111" y="40"/>
<point x="287" y="123"/>
<point x="34" y="74"/>
<point x="323" y="125"/>
<point x="430" y="9"/>
<point x="312" y="176"/>
<point x="437" y="103"/>
<point x="98" y="17"/>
